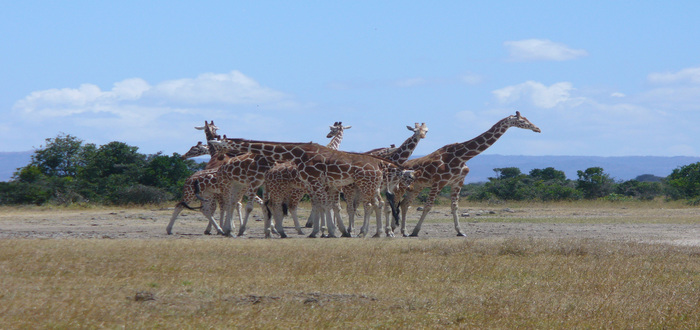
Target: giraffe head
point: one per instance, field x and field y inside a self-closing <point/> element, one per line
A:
<point x="336" y="129"/>
<point x="209" y="130"/>
<point x="200" y="149"/>
<point x="419" y="130"/>
<point x="521" y="122"/>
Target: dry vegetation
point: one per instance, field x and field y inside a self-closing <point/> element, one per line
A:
<point x="487" y="280"/>
<point x="347" y="283"/>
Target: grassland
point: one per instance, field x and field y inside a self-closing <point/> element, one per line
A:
<point x="484" y="281"/>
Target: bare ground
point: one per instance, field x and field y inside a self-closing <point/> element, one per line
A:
<point x="652" y="225"/>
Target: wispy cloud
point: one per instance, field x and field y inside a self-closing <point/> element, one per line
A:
<point x="541" y="50"/>
<point x="538" y="94"/>
<point x="687" y="75"/>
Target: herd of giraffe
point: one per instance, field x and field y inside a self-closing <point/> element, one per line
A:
<point x="288" y="171"/>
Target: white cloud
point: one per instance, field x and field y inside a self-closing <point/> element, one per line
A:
<point x="541" y="50"/>
<point x="134" y="97"/>
<point x="617" y="94"/>
<point x="687" y="75"/>
<point x="540" y="95"/>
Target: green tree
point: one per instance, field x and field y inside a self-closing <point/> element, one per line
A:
<point x="684" y="182"/>
<point x="594" y="183"/>
<point x="62" y="156"/>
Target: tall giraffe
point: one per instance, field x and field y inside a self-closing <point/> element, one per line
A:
<point x="446" y="167"/>
<point x="284" y="189"/>
<point x="325" y="171"/>
<point x="397" y="155"/>
<point x="218" y="158"/>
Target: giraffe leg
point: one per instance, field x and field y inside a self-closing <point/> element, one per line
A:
<point x="208" y="212"/>
<point x="207" y="231"/>
<point x="350" y="202"/>
<point x="426" y="208"/>
<point x="454" y="208"/>
<point x="405" y="204"/>
<point x="295" y="217"/>
<point x="378" y="213"/>
<point x="178" y="208"/>
<point x="312" y="217"/>
<point x="316" y="225"/>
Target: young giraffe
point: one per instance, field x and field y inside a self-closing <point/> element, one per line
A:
<point x="446" y="167"/>
<point x="324" y="171"/>
<point x="399" y="156"/>
<point x="192" y="192"/>
<point x="284" y="189"/>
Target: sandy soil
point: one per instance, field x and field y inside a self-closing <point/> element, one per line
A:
<point x="673" y="226"/>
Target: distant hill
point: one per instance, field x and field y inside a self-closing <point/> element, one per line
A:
<point x="481" y="167"/>
<point x="11" y="161"/>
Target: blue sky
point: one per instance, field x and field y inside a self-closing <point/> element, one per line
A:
<point x="600" y="78"/>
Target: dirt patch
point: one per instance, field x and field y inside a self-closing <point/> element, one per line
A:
<point x="675" y="226"/>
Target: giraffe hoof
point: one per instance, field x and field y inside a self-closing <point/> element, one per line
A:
<point x="205" y="233"/>
<point x="413" y="235"/>
<point x="377" y="235"/>
<point x="461" y="235"/>
<point x="346" y="235"/>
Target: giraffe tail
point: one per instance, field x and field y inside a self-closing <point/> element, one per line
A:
<point x="183" y="203"/>
<point x="285" y="209"/>
<point x="198" y="191"/>
<point x="391" y="198"/>
<point x="267" y="208"/>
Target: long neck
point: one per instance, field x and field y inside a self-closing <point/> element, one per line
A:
<point x="335" y="141"/>
<point x="401" y="154"/>
<point x="467" y="150"/>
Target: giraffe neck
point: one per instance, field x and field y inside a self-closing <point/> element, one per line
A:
<point x="401" y="154"/>
<point x="469" y="149"/>
<point x="335" y="141"/>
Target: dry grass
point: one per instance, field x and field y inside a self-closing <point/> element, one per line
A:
<point x="345" y="283"/>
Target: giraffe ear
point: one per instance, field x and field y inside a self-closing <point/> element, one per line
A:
<point x="201" y="128"/>
<point x="347" y="127"/>
<point x="517" y="114"/>
<point x="411" y="128"/>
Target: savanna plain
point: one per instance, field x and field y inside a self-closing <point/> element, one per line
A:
<point x="531" y="265"/>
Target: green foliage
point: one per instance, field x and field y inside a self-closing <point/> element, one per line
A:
<point x="684" y="182"/>
<point x="67" y="171"/>
<point x="594" y="183"/>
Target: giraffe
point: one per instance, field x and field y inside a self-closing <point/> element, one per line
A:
<point x="396" y="155"/>
<point x="284" y="189"/>
<point x="446" y="167"/>
<point x="218" y="158"/>
<point x="324" y="171"/>
<point x="228" y="176"/>
<point x="192" y="192"/>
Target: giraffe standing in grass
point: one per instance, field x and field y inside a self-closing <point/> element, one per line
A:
<point x="324" y="171"/>
<point x="446" y="167"/>
<point x="396" y="155"/>
<point x="284" y="189"/>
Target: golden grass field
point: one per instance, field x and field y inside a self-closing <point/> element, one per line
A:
<point x="564" y="265"/>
